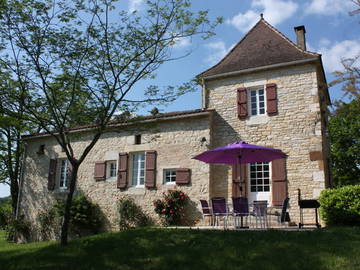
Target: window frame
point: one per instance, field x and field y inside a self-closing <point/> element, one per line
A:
<point x="61" y="174"/>
<point x="257" y="90"/>
<point x="138" y="179"/>
<point x="263" y="178"/>
<point x="172" y="176"/>
<point x="108" y="164"/>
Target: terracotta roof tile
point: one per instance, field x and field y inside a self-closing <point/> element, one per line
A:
<point x="263" y="45"/>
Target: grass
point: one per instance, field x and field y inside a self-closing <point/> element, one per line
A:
<point x="334" y="248"/>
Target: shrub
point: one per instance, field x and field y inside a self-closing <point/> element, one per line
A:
<point x="49" y="222"/>
<point x="341" y="206"/>
<point x="17" y="229"/>
<point x="84" y="216"/>
<point x="171" y="208"/>
<point x="5" y="214"/>
<point x="131" y="215"/>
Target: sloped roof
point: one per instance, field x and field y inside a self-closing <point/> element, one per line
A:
<point x="263" y="45"/>
<point x="135" y="120"/>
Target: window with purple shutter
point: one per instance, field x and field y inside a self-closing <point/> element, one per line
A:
<point x="122" y="175"/>
<point x="279" y="183"/>
<point x="183" y="176"/>
<point x="150" y="175"/>
<point x="52" y="174"/>
<point x="271" y="98"/>
<point x="242" y="106"/>
<point x="100" y="171"/>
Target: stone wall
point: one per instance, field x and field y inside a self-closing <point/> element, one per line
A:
<point x="296" y="129"/>
<point x="176" y="142"/>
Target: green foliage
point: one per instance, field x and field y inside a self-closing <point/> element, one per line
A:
<point x="344" y="129"/>
<point x="341" y="206"/>
<point x="49" y="224"/>
<point x="131" y="215"/>
<point x="5" y="212"/>
<point x="85" y="217"/>
<point x="172" y="207"/>
<point x="17" y="229"/>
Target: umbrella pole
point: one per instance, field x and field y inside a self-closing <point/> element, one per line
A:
<point x="241" y="191"/>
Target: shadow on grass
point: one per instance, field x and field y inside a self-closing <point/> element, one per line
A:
<point x="191" y="249"/>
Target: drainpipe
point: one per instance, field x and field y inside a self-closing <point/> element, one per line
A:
<point x="21" y="180"/>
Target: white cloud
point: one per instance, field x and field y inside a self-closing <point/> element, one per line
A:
<point x="135" y="5"/>
<point x="244" y="21"/>
<point x="332" y="54"/>
<point x="329" y="7"/>
<point x="182" y="42"/>
<point x="217" y="50"/>
<point x="275" y="12"/>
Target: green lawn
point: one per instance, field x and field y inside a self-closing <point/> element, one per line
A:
<point x="336" y="248"/>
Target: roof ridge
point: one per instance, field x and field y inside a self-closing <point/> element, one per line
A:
<point x="114" y="123"/>
<point x="252" y="29"/>
<point x="287" y="39"/>
<point x="272" y="28"/>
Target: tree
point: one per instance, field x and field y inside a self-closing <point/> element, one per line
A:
<point x="98" y="52"/>
<point x="344" y="129"/>
<point x="11" y="148"/>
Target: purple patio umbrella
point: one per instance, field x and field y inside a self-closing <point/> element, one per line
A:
<point x="240" y="152"/>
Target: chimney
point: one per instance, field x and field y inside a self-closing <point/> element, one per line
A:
<point x="300" y="37"/>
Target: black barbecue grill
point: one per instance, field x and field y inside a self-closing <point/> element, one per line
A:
<point x="308" y="204"/>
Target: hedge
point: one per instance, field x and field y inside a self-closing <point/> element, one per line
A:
<point x="341" y="206"/>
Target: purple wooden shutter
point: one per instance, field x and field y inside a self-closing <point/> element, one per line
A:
<point x="183" y="176"/>
<point x="122" y="175"/>
<point x="279" y="184"/>
<point x="100" y="171"/>
<point x="242" y="103"/>
<point x="150" y="174"/>
<point x="52" y="174"/>
<point x="271" y="99"/>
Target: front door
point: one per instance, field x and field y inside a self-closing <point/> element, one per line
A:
<point x="259" y="187"/>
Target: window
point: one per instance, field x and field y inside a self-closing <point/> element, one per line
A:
<point x="260" y="177"/>
<point x="41" y="150"/>
<point x="257" y="102"/>
<point x="111" y="169"/>
<point x="169" y="176"/>
<point x="138" y="169"/>
<point x="138" y="139"/>
<point x="64" y="173"/>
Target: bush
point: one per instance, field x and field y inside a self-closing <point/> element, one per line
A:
<point x="171" y="208"/>
<point x="341" y="206"/>
<point x="17" y="229"/>
<point x="131" y="215"/>
<point x="84" y="216"/>
<point x="49" y="222"/>
<point x="5" y="214"/>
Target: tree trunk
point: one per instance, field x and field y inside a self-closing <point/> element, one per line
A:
<point x="66" y="219"/>
<point x="14" y="193"/>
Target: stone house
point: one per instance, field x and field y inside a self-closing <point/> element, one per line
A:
<point x="266" y="91"/>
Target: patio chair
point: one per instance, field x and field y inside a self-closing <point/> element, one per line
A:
<point x="259" y="213"/>
<point x="240" y="209"/>
<point x="282" y="216"/>
<point x="206" y="211"/>
<point x="220" y="210"/>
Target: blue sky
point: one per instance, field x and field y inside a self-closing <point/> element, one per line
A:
<point x="329" y="31"/>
